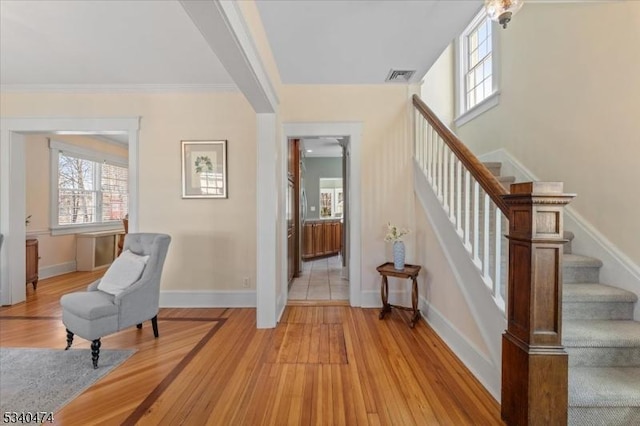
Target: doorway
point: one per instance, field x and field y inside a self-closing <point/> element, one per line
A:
<point x="319" y="222"/>
<point x="12" y="186"/>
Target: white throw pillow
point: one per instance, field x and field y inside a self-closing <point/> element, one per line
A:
<point x="123" y="272"/>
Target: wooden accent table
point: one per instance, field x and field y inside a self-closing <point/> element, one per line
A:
<point x="32" y="262"/>
<point x="409" y="271"/>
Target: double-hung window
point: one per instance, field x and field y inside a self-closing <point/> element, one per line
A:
<point x="477" y="82"/>
<point x="89" y="189"/>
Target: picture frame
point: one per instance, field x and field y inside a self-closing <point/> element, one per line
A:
<point x="204" y="169"/>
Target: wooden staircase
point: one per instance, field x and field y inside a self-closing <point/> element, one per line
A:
<point x="601" y="338"/>
<point x="602" y="341"/>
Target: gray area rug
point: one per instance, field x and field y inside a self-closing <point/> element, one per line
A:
<point x="47" y="379"/>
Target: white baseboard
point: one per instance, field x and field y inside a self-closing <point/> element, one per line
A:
<point x="482" y="368"/>
<point x="208" y="299"/>
<point x="55" y="270"/>
<point x="618" y="269"/>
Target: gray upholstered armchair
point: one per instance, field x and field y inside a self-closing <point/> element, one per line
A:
<point x="127" y="294"/>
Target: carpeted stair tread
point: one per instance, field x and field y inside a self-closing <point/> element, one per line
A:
<point x="593" y="292"/>
<point x="604" y="387"/>
<point x="575" y="260"/>
<point x="600" y="333"/>
<point x="494" y="167"/>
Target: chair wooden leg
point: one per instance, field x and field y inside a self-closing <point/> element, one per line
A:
<point x="95" y="352"/>
<point x="139" y="326"/>
<point x="69" y="339"/>
<point x="154" y="323"/>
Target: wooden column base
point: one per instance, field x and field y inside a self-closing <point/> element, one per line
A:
<point x="534" y="384"/>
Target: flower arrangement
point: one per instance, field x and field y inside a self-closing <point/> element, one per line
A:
<point x="394" y="233"/>
<point x="203" y="164"/>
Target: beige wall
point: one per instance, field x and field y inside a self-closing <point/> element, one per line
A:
<point x="569" y="108"/>
<point x="437" y="88"/>
<point x="440" y="286"/>
<point x="386" y="175"/>
<point x="60" y="249"/>
<point x="214" y="241"/>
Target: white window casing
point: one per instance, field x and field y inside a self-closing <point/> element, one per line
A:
<point x="476" y="56"/>
<point x="103" y="168"/>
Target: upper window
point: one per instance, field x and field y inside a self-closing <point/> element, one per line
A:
<point x="91" y="189"/>
<point x="476" y="68"/>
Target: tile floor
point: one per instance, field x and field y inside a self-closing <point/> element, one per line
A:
<point x="320" y="280"/>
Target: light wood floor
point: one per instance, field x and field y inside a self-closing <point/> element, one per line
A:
<point x="322" y="365"/>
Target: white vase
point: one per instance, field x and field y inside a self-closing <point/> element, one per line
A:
<point x="398" y="254"/>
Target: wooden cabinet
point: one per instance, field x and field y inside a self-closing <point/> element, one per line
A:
<point x="32" y="262"/>
<point x="321" y="238"/>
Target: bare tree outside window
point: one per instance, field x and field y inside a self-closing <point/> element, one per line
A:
<point x="90" y="191"/>
<point x="76" y="194"/>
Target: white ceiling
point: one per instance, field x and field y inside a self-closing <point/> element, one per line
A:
<point x="146" y="44"/>
<point x="322" y="147"/>
<point x="359" y="41"/>
<point x="104" y="43"/>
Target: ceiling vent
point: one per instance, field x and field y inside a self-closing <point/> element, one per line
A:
<point x="400" y="76"/>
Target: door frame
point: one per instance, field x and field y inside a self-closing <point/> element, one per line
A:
<point x="314" y="129"/>
<point x="12" y="186"/>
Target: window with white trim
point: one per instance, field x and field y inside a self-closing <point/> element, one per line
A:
<point x="477" y="82"/>
<point x="89" y="189"/>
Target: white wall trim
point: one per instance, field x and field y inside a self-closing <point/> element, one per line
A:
<point x="473" y="358"/>
<point x="87" y="153"/>
<point x="489" y="102"/>
<point x="618" y="269"/>
<point x="33" y="233"/>
<point x="222" y="25"/>
<point x="12" y="186"/>
<point x="267" y="219"/>
<point x="354" y="131"/>
<point x="116" y="88"/>
<point x="208" y="299"/>
<point x="55" y="270"/>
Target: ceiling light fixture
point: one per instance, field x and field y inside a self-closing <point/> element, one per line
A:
<point x="502" y="11"/>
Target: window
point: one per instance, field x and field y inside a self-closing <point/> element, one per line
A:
<point x="331" y="197"/>
<point x="89" y="189"/>
<point x="477" y="83"/>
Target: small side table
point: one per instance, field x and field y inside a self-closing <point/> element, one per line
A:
<point x="409" y="271"/>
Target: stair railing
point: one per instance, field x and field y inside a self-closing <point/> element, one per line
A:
<point x="534" y="362"/>
<point x="469" y="193"/>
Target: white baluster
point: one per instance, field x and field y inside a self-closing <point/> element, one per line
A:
<point x="452" y="190"/>
<point x="440" y="159"/>
<point x="467" y="209"/>
<point x="429" y="133"/>
<point x="459" y="198"/>
<point x="416" y="133"/>
<point x="445" y="177"/>
<point x="498" y="272"/>
<point x="423" y="144"/>
<point x="476" y="223"/>
<point x="486" y="237"/>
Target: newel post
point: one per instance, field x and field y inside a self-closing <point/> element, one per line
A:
<point x="534" y="363"/>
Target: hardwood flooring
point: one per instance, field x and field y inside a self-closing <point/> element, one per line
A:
<point x="322" y="365"/>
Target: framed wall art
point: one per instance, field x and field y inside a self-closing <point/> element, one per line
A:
<point x="204" y="169"/>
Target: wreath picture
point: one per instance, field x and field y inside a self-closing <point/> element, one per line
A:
<point x="203" y="164"/>
<point x="204" y="169"/>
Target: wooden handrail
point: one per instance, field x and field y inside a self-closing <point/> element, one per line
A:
<point x="485" y="178"/>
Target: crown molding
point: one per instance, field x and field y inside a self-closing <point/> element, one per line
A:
<point x="116" y="88"/>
